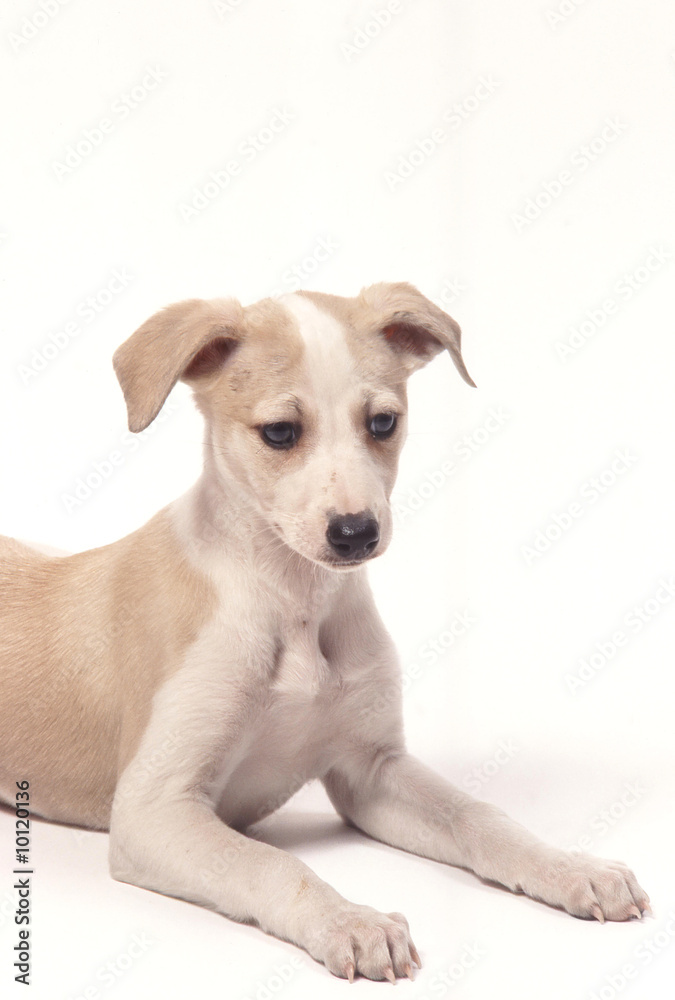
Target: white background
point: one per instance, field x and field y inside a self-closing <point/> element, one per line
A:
<point x="533" y="89"/>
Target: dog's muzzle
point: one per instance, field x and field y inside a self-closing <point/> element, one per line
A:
<point x="353" y="537"/>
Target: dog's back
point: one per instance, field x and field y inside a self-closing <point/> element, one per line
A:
<point x="85" y="640"/>
<point x="52" y="685"/>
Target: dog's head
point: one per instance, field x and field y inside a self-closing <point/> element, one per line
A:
<point x="305" y="402"/>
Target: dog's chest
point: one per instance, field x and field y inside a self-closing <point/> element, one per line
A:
<point x="293" y="736"/>
<point x="302" y="703"/>
<point x="301" y="669"/>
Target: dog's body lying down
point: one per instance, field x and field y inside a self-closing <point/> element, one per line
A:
<point x="182" y="683"/>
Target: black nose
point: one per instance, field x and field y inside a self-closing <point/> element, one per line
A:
<point x="353" y="536"/>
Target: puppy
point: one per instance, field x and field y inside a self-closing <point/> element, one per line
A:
<point x="180" y="684"/>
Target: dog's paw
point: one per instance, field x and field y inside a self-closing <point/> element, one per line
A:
<point x="593" y="888"/>
<point x="358" y="940"/>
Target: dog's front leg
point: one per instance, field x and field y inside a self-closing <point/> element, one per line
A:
<point x="182" y="849"/>
<point x="165" y="835"/>
<point x="396" y="799"/>
<point x="186" y="851"/>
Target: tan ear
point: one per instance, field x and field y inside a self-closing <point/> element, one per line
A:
<point x="189" y="340"/>
<point x="413" y="325"/>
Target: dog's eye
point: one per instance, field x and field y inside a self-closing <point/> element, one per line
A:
<point x="382" y="425"/>
<point x="280" y="435"/>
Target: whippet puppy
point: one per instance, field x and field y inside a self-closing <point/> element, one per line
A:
<point x="180" y="684"/>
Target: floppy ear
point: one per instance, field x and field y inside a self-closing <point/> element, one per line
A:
<point x="189" y="340"/>
<point x="414" y="327"/>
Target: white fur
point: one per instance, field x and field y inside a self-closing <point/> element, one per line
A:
<point x="288" y="673"/>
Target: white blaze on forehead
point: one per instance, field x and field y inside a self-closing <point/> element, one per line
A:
<point x="328" y="358"/>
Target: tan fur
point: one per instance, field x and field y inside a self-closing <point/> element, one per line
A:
<point x="105" y="627"/>
<point x="183" y="682"/>
<point x="385" y="305"/>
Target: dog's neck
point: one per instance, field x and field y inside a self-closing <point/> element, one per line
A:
<point x="219" y="521"/>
